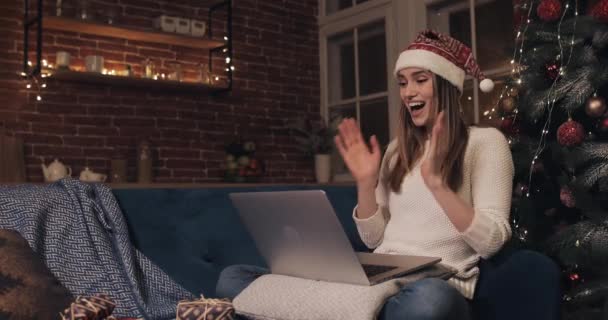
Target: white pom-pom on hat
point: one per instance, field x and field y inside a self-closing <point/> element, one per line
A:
<point x="486" y="85"/>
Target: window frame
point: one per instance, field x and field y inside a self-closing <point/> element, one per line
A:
<point x="494" y="74"/>
<point x="348" y="20"/>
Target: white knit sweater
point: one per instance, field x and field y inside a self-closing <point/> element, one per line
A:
<point x="411" y="222"/>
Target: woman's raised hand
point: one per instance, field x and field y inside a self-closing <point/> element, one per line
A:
<point x="362" y="161"/>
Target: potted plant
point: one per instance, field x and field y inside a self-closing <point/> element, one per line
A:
<point x="316" y="139"/>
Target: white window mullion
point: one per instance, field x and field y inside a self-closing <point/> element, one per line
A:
<point x="474" y="49"/>
<point x="357" y="101"/>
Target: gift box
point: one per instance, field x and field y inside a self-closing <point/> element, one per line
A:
<point x="98" y="307"/>
<point x="205" y="309"/>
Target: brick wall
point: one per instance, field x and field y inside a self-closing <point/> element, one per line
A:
<point x="276" y="80"/>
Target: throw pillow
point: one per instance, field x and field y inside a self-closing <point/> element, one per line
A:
<point x="28" y="290"/>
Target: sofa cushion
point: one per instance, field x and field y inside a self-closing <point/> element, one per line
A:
<point x="193" y="234"/>
<point x="28" y="290"/>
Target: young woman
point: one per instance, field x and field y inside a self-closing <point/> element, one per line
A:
<point x="443" y="188"/>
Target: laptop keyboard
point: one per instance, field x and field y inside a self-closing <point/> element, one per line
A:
<point x="372" y="269"/>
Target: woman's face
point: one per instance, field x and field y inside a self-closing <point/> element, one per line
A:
<point x="416" y="91"/>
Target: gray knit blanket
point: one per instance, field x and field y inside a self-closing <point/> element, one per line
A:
<point x="278" y="297"/>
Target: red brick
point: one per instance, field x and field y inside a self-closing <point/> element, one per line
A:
<point x="83" y="141"/>
<point x="74" y="42"/>
<point x="88" y="121"/>
<point x="173" y="143"/>
<point x="121" y="110"/>
<point x="43" y="118"/>
<point x="92" y="152"/>
<point x="182" y="163"/>
<point x="179" y="153"/>
<point x="57" y="151"/>
<point x="146" y="132"/>
<point x="152" y="53"/>
<point x="97" y="100"/>
<point x="96" y="131"/>
<point x="54" y="128"/>
<point x="41" y="139"/>
<point x="155" y="112"/>
<point x="180" y="134"/>
<point x="176" y="123"/>
<point x="139" y="122"/>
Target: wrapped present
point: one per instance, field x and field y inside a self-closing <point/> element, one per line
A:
<point x="98" y="307"/>
<point x="205" y="309"/>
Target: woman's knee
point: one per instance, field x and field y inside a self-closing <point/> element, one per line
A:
<point x="235" y="278"/>
<point x="528" y="262"/>
<point x="428" y="299"/>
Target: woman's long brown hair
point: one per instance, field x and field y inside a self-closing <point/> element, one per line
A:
<point x="411" y="139"/>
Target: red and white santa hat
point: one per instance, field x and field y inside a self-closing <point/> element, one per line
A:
<point x="444" y="56"/>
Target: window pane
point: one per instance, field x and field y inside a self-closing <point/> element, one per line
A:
<point x="337" y="5"/>
<point x="341" y="66"/>
<point x="495" y="28"/>
<point x="344" y="111"/>
<point x="374" y="120"/>
<point x="460" y="26"/>
<point x="372" y="58"/>
<point x="495" y="34"/>
<point x="451" y="17"/>
<point x="487" y="102"/>
<point x="467" y="102"/>
<point x="491" y="100"/>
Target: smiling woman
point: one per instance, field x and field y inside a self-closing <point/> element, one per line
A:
<point x="430" y="195"/>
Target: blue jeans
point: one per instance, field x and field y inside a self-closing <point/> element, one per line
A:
<point x="424" y="299"/>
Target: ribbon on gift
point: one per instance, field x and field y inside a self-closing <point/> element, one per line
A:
<point x="98" y="307"/>
<point x="205" y="309"/>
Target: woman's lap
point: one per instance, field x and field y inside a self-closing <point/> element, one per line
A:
<point x="424" y="299"/>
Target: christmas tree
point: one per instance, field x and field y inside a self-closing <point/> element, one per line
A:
<point x="553" y="112"/>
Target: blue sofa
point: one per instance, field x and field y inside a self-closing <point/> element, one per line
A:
<point x="193" y="233"/>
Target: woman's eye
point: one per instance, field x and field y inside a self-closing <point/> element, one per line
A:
<point x="421" y="80"/>
<point x="402" y="83"/>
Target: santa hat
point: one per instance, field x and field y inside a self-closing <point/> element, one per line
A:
<point x="444" y="56"/>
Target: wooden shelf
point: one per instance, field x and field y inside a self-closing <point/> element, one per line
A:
<point x="72" y="25"/>
<point x="98" y="78"/>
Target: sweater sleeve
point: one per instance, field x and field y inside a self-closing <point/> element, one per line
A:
<point x="491" y="187"/>
<point x="371" y="229"/>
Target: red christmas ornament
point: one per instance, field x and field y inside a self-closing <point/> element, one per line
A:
<point x="570" y="133"/>
<point x="552" y="71"/>
<point x="509" y="127"/>
<point x="600" y="11"/>
<point x="602" y="127"/>
<point x="538" y="167"/>
<point x="567" y="198"/>
<point x="549" y="10"/>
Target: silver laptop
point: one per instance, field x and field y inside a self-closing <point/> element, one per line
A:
<point x="299" y="234"/>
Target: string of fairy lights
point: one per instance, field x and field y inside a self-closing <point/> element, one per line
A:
<point x="510" y="88"/>
<point x="550" y="98"/>
<point x="38" y="81"/>
<point x="32" y="80"/>
<point x="518" y="54"/>
<point x="515" y="61"/>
